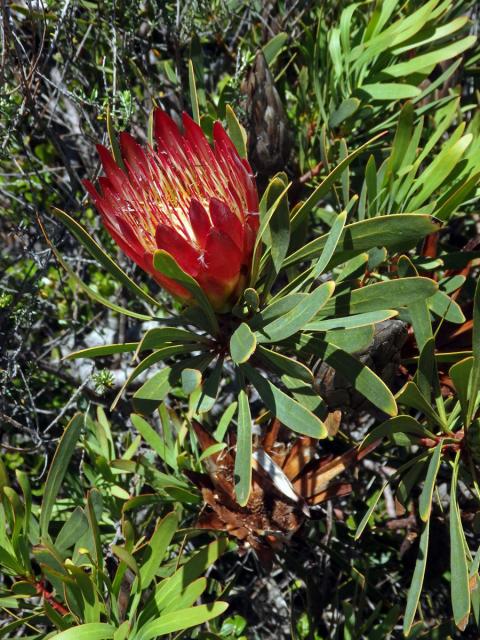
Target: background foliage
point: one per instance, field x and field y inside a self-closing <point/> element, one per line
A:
<point x="343" y="72"/>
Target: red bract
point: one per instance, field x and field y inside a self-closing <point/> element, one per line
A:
<point x="197" y="203"/>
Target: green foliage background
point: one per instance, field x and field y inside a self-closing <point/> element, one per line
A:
<point x="63" y="65"/>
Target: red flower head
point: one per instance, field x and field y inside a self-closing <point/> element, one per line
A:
<point x="197" y="203"/>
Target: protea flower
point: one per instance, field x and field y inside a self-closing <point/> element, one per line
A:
<point x="197" y="203"/>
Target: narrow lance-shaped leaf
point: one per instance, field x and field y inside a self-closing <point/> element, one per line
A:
<point x="242" y="344"/>
<point x="193" y="92"/>
<point x="411" y="396"/>
<point x="156" y="548"/>
<point x="210" y="388"/>
<point x="103" y="350"/>
<point x="427" y="60"/>
<point x="153" y="392"/>
<point x="460" y="374"/>
<point x="327" y="183"/>
<point x="460" y="591"/>
<point x="180" y="620"/>
<point x="278" y="230"/>
<point x="89" y="631"/>
<point x="425" y="501"/>
<point x="474" y="387"/>
<point x="417" y="580"/>
<point x="282" y="365"/>
<point x="374" y="501"/>
<point x="171" y="588"/>
<point x="289" y="412"/>
<point x="398" y="424"/>
<point x="236" y="132"/>
<point x="243" y="457"/>
<point x="103" y="258"/>
<point x="351" y="322"/>
<point x="154" y="440"/>
<point x="88" y="290"/>
<point x="58" y="469"/>
<point x="261" y="233"/>
<point x="296" y="319"/>
<point x="395" y="232"/>
<point x="157" y="356"/>
<point x="330" y="246"/>
<point x="169" y="267"/>
<point x="359" y="375"/>
<point x="381" y="295"/>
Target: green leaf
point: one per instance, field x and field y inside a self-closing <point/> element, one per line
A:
<point x="374" y="501"/>
<point x="422" y="62"/>
<point x="330" y="246"/>
<point x="437" y="172"/>
<point x="296" y="319"/>
<point x="425" y="500"/>
<point x="168" y="266"/>
<point x="474" y="387"/>
<point x="243" y="457"/>
<point x="153" y="392"/>
<point x="189" y="596"/>
<point x="351" y="340"/>
<point x="88" y="290"/>
<point x="398" y="424"/>
<point x="102" y="351"/>
<point x="191" y="380"/>
<point x="289" y="412"/>
<point x="154" y="440"/>
<point x="126" y="557"/>
<point x="179" y="620"/>
<point x="460" y="592"/>
<point x="172" y="587"/>
<point x="242" y="344"/>
<point x="72" y="530"/>
<point x="264" y="226"/>
<point x="351" y="322"/>
<point x="236" y="132"/>
<point x="90" y="631"/>
<point x="457" y="198"/>
<point x="122" y="631"/>
<point x="94" y="506"/>
<point x="213" y="449"/>
<point x="395" y="232"/>
<point x="273" y="47"/>
<point x="326" y="184"/>
<point x="364" y="380"/>
<point x="347" y="108"/>
<point x="460" y="374"/>
<point x="390" y="91"/>
<point x="411" y="396"/>
<point x="277" y="309"/>
<point x="281" y="364"/>
<point x="193" y="92"/>
<point x="224" y="422"/>
<point x="154" y="551"/>
<point x="160" y="336"/>
<point x="417" y="580"/>
<point x="210" y="388"/>
<point x="103" y="258"/>
<point x="390" y="294"/>
<point x="427" y="370"/>
<point x="58" y="469"/>
<point x="157" y="356"/>
<point x="278" y="236"/>
<point x="403" y="136"/>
